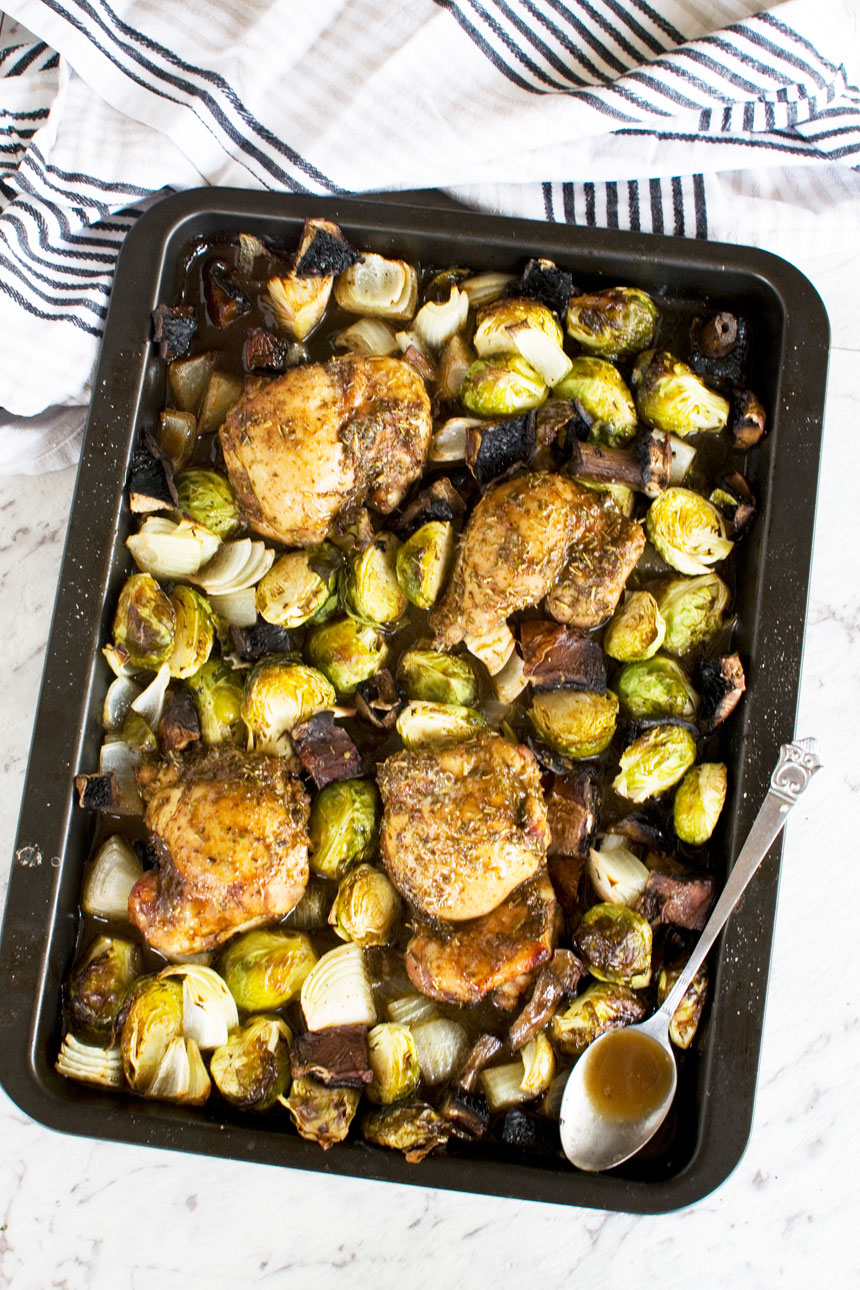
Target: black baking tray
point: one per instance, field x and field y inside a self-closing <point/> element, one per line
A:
<point x="713" y="1118"/>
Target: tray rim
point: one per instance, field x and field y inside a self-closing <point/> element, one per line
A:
<point x="32" y="893"/>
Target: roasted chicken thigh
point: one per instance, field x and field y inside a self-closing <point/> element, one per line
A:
<point x="230" y="832"/>
<point x="321" y="440"/>
<point x="462" y="826"/>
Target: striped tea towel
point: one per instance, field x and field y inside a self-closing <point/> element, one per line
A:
<point x="696" y="117"/>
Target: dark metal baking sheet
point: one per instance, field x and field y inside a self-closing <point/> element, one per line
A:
<point x="715" y="1109"/>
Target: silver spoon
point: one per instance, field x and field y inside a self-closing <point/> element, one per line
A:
<point x="621" y="1088"/>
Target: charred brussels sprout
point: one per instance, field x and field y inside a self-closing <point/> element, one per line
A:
<point x="436" y="677"/>
<point x="580" y="723"/>
<point x="266" y="969"/>
<point x="656" y="687"/>
<point x="688" y="531"/>
<point x="669" y="396"/>
<point x="414" y="1128"/>
<point x="616" y="944"/>
<point x="636" y="630"/>
<point x="145" y="622"/>
<point x="394" y="1062"/>
<point x="655" y="762"/>
<point x="685" y="1021"/>
<point x="347" y="652"/>
<point x="195" y="632"/>
<point x="252" y="1069"/>
<point x="692" y="609"/>
<point x="153" y="1020"/>
<point x="423" y="562"/>
<point x="502" y="386"/>
<point x="371" y="588"/>
<point x="602" y="1007"/>
<point x="279" y="693"/>
<point x="322" y="1115"/>
<point x="99" y="983"/>
<point x="366" y="907"/>
<point x="699" y="801"/>
<point x="217" y="692"/>
<point x="526" y="327"/>
<point x="426" y="725"/>
<point x="606" y="400"/>
<point x="614" y="323"/>
<point x="343" y="825"/>
<point x="210" y="500"/>
<point x="299" y="586"/>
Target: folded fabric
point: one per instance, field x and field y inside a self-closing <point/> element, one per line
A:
<point x="689" y="117"/>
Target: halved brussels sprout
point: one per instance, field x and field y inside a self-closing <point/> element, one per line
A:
<point x="343" y="825"/>
<point x="656" y="687"/>
<point x="423" y="562"/>
<point x="347" y="652"/>
<point x="217" y="692"/>
<point x="600" y="388"/>
<point x="145" y="622"/>
<point x="616" y="944"/>
<point x="321" y="1114"/>
<point x="99" y="983"/>
<point x="252" y="1069"/>
<point x="502" y="386"/>
<point x="654" y="762"/>
<point x="211" y="500"/>
<point x="685" y="1021"/>
<point x="603" y="1006"/>
<point x="426" y="725"/>
<point x="153" y="1021"/>
<point x="670" y="396"/>
<point x="692" y="610"/>
<point x="371" y="588"/>
<point x="497" y="323"/>
<point x="414" y="1128"/>
<point x="266" y="969"/>
<point x="687" y="530"/>
<point x="195" y="632"/>
<point x="394" y="1062"/>
<point x="436" y="677"/>
<point x="279" y="693"/>
<point x="299" y="303"/>
<point x="580" y="723"/>
<point x="636" y="629"/>
<point x="699" y="801"/>
<point x="366" y="907"/>
<point x="615" y="323"/>
<point x="300" y="585"/>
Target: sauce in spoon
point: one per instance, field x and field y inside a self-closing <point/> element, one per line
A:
<point x="629" y="1077"/>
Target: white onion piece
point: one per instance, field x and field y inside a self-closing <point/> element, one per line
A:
<point x="209" y="1010"/>
<point x="510" y="681"/>
<point x="337" y="992"/>
<point x="239" y="608"/>
<point x="616" y="874"/>
<point x="484" y="288"/>
<point x="682" y="455"/>
<point x="449" y="441"/>
<point x="551" y="1104"/>
<point x="503" y="1085"/>
<point x="543" y="353"/>
<point x="123" y="760"/>
<point x="412" y="1009"/>
<point x="436" y="322"/>
<point x="89" y="1064"/>
<point x="379" y="287"/>
<point x="121" y="693"/>
<point x="173" y="550"/>
<point x="313" y="909"/>
<point x="370" y="337"/>
<point x="181" y="1075"/>
<point x="440" y="1044"/>
<point x="492" y="648"/>
<point x="118" y="662"/>
<point x="150" y="704"/>
<point x="237" y="565"/>
<point x="111" y="876"/>
<point x="410" y="340"/>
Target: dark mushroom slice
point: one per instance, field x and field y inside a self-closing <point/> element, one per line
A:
<point x="496" y="447"/>
<point x="378" y="700"/>
<point x="571" y="805"/>
<point x="179" y="725"/>
<point x="565" y="874"/>
<point x="645" y="466"/>
<point x="440" y="501"/>
<point x="324" y="251"/>
<point x="225" y="299"/>
<point x="748" y="419"/>
<point x="543" y="281"/>
<point x="467" y="1111"/>
<point x="97" y="792"/>
<point x="255" y="642"/>
<point x="150" y="479"/>
<point x="556" y="655"/>
<point x="722" y="682"/>
<point x="534" y="1134"/>
<point x="561" y="976"/>
<point x="639" y="829"/>
<point x="718" y="347"/>
<point x="326" y="750"/>
<point x="482" y="1052"/>
<point x="734" y="499"/>
<point x="173" y="327"/>
<point x="416" y="358"/>
<point x="336" y="1057"/>
<point x="266" y="351"/>
<point x="680" y="900"/>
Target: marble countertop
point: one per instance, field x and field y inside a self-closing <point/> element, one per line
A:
<point x="76" y="1213"/>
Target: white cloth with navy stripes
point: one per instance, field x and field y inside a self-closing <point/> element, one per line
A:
<point x="695" y="117"/>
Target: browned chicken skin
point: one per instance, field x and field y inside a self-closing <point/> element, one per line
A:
<point x="321" y="440"/>
<point x="230" y="830"/>
<point x="495" y="954"/>
<point x="518" y="541"/>
<point x="600" y="562"/>
<point x="462" y="826"/>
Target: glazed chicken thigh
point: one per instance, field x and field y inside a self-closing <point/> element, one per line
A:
<point x="323" y="439"/>
<point x="230" y="832"/>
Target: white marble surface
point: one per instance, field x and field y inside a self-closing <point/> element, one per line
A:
<point x="77" y="1214"/>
